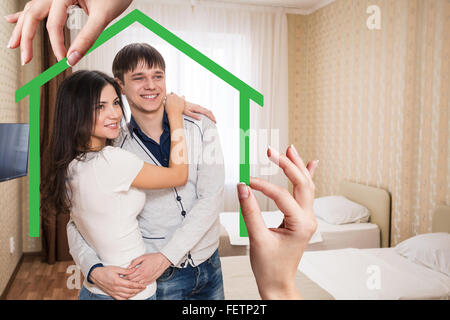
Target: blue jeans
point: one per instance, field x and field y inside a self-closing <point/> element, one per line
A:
<point x="203" y="282"/>
<point x="85" y="294"/>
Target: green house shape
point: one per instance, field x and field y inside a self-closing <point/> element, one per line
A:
<point x="31" y="89"/>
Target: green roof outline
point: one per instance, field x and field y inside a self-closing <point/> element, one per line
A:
<point x="32" y="89"/>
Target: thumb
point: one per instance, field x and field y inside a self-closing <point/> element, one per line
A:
<point x="251" y="212"/>
<point x="84" y="40"/>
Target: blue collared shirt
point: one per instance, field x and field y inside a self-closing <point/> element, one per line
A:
<point x="162" y="150"/>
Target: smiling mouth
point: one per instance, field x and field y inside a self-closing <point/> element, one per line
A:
<point x="114" y="125"/>
<point x="150" y="96"/>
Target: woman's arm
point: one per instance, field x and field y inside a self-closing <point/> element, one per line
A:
<point x="156" y="177"/>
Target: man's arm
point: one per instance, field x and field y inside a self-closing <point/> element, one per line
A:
<point x="106" y="278"/>
<point x="197" y="222"/>
<point x="210" y="185"/>
<point x="84" y="256"/>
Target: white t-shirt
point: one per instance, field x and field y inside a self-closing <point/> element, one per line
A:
<point x="105" y="207"/>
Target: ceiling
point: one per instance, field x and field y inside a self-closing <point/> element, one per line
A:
<point x="296" y="4"/>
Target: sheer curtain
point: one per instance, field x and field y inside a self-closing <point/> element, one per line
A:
<point x="248" y="41"/>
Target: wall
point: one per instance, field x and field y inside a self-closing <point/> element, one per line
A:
<point x="372" y="105"/>
<point x="14" y="193"/>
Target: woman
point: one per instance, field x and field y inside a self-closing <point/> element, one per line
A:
<point x="98" y="184"/>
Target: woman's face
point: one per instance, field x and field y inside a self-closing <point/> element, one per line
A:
<point x="108" y="114"/>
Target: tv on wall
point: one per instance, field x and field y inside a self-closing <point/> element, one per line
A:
<point x="14" y="144"/>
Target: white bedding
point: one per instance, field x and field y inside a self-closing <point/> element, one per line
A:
<point x="272" y="219"/>
<point x="351" y="235"/>
<point x="327" y="236"/>
<point x="373" y="274"/>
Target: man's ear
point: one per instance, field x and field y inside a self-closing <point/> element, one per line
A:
<point x="120" y="84"/>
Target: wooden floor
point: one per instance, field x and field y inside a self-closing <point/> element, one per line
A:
<point x="37" y="280"/>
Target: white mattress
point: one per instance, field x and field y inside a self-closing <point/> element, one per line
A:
<point x="327" y="236"/>
<point x="373" y="274"/>
<point x="272" y="219"/>
<point x="351" y="235"/>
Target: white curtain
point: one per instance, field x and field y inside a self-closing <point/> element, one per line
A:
<point x="248" y="41"/>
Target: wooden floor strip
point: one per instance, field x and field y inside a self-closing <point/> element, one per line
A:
<point x="38" y="280"/>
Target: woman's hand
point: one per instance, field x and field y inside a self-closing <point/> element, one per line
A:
<point x="275" y="253"/>
<point x="175" y="104"/>
<point x="194" y="110"/>
<point x="112" y="281"/>
<point x="100" y="13"/>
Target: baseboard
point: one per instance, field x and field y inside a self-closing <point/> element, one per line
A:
<point x="11" y="279"/>
<point x="16" y="270"/>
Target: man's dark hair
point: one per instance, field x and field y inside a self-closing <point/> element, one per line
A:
<point x="128" y="58"/>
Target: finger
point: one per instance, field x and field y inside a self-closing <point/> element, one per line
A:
<point x="283" y="199"/>
<point x="251" y="212"/>
<point x="206" y="112"/>
<point x="311" y="166"/>
<point x="26" y="40"/>
<point x="135" y="262"/>
<point x="193" y="115"/>
<point x="294" y="173"/>
<point x="14" y="41"/>
<point x="211" y="116"/>
<point x="134" y="275"/>
<point x="34" y="14"/>
<point x="55" y="27"/>
<point x="123" y="271"/>
<point x="138" y="278"/>
<point x="122" y="295"/>
<point x="293" y="155"/>
<point x="85" y="39"/>
<point x="119" y="269"/>
<point x="127" y="292"/>
<point x="128" y="284"/>
<point x="122" y="292"/>
<point x="13" y="17"/>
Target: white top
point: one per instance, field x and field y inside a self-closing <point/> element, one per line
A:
<point x="105" y="207"/>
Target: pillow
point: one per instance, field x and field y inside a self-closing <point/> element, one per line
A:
<point x="340" y="210"/>
<point x="430" y="249"/>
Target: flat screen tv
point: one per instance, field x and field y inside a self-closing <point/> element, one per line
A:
<point x="14" y="143"/>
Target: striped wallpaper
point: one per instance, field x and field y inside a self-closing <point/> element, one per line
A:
<point x="373" y="105"/>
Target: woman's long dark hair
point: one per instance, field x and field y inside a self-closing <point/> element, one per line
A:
<point x="73" y="123"/>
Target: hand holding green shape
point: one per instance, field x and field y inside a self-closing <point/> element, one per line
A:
<point x="275" y="253"/>
<point x="100" y="13"/>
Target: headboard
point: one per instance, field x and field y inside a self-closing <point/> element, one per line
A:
<point x="378" y="201"/>
<point x="441" y="219"/>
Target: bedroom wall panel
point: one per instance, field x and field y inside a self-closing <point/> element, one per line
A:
<point x="372" y="105"/>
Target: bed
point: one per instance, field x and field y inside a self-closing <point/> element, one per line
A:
<point x="373" y="234"/>
<point x="377" y="273"/>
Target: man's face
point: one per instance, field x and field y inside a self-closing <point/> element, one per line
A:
<point x="145" y="88"/>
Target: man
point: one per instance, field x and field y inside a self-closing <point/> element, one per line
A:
<point x="180" y="226"/>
